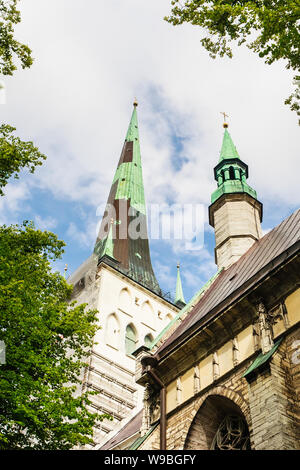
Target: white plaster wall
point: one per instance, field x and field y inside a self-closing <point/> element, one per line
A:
<point x="111" y="370"/>
<point x="145" y="311"/>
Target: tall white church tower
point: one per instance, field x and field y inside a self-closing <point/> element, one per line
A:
<point x="118" y="280"/>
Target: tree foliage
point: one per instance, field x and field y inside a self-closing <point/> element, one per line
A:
<point x="268" y="27"/>
<point x="16" y="154"/>
<point x="10" y="48"/>
<point x="46" y="340"/>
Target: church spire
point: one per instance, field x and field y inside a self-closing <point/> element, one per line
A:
<point x="231" y="172"/>
<point x="126" y="205"/>
<point x="235" y="212"/>
<point x="179" y="298"/>
<point x="228" y="149"/>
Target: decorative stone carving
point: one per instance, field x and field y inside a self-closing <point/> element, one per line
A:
<point x="264" y="326"/>
<point x="216" y="368"/>
<point x="197" y="384"/>
<point x="178" y="391"/>
<point x="256" y="337"/>
<point x="235" y="352"/>
<point x="146" y="422"/>
<point x="151" y="410"/>
<point x="279" y="313"/>
<point x="155" y="407"/>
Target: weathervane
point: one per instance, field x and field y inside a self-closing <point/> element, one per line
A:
<point x="225" y="116"/>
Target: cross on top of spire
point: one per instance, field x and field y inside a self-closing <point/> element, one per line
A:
<point x="225" y="116"/>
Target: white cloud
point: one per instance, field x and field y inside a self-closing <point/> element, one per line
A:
<point x="16" y="193"/>
<point x="92" y="58"/>
<point x="76" y="102"/>
<point x="86" y="235"/>
<point x="45" y="223"/>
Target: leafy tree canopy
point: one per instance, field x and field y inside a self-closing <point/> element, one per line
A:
<point x="10" y="48"/>
<point x="46" y="341"/>
<point x="15" y="155"/>
<point x="268" y="27"/>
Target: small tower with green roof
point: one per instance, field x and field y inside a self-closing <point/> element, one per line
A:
<point x="235" y="212"/>
<point x="179" y="297"/>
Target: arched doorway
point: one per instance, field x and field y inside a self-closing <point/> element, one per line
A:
<point x="218" y="425"/>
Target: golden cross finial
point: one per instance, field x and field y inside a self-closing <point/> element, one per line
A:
<point x="135" y="103"/>
<point x="225" y="116"/>
<point x="178" y="265"/>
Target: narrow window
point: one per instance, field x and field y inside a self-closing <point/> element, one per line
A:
<point x="148" y="340"/>
<point x="130" y="339"/>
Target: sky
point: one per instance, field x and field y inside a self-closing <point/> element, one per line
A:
<point x="92" y="59"/>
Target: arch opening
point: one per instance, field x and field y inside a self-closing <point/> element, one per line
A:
<point x="231" y="173"/>
<point x="130" y="339"/>
<point x="112" y="334"/>
<point x="148" y="340"/>
<point x="125" y="302"/>
<point x="218" y="425"/>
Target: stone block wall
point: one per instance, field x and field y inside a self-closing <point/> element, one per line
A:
<point x="269" y="403"/>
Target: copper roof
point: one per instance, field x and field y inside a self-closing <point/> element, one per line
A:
<point x="126" y="210"/>
<point x="130" y="429"/>
<point x="240" y="276"/>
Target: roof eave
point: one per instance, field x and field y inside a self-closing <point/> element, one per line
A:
<point x="243" y="290"/>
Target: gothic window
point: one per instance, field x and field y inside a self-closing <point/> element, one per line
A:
<point x="125" y="300"/>
<point x="148" y="340"/>
<point x="232" y="434"/>
<point x="112" y="331"/>
<point x="130" y="339"/>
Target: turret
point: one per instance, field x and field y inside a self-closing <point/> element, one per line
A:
<point x="235" y="212"/>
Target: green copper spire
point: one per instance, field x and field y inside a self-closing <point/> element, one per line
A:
<point x="129" y="175"/>
<point x="179" y="298"/>
<point x="228" y="149"/>
<point x="109" y="244"/>
<point x="133" y="131"/>
<point x="128" y="243"/>
<point x="231" y="172"/>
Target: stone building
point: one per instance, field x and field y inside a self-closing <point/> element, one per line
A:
<point x="225" y="372"/>
<point x="118" y="280"/>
